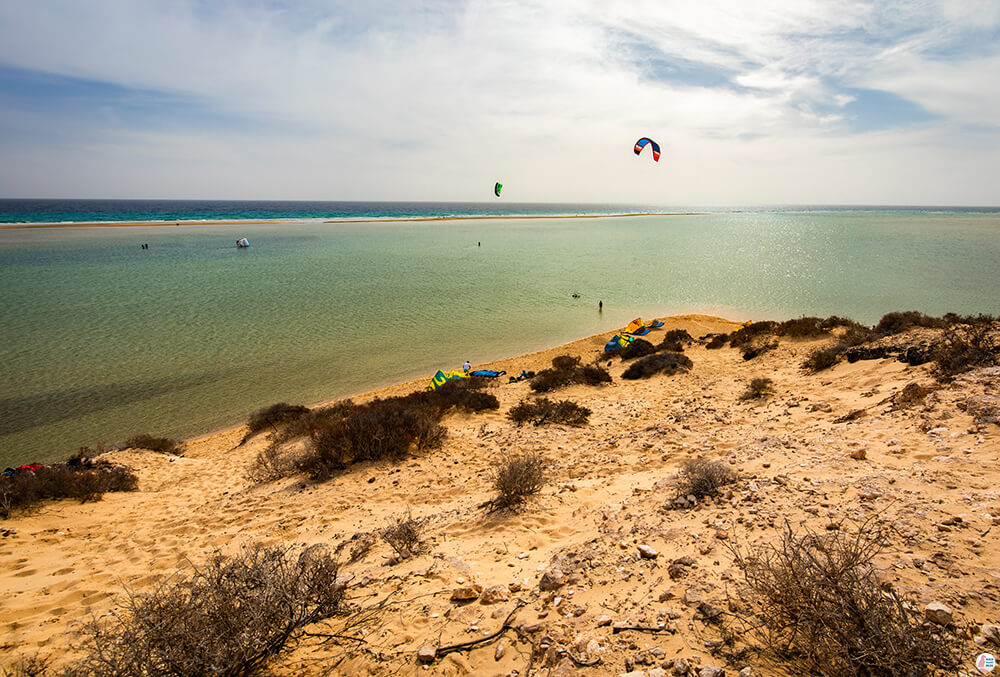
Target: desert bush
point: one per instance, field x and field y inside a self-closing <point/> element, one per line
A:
<point x="960" y="351"/>
<point x="745" y="335"/>
<point x="716" y="341"/>
<point x="227" y="618"/>
<point x="637" y="348"/>
<point x="802" y="327"/>
<point x="563" y="362"/>
<point x="84" y="480"/>
<point x="671" y="345"/>
<point x="567" y="370"/>
<point x="700" y="477"/>
<point x="463" y="395"/>
<point x="164" y="445"/>
<point x="815" y="603"/>
<point x="516" y="478"/>
<point x="758" y="348"/>
<point x="381" y="429"/>
<point x="823" y="358"/>
<point x="667" y="363"/>
<point x="855" y="336"/>
<point x="550" y="379"/>
<point x="272" y="463"/>
<point x="835" y="321"/>
<point x="402" y="533"/>
<point x="544" y="410"/>
<point x="758" y="387"/>
<point x="35" y="665"/>
<point x="953" y="319"/>
<point x="680" y="335"/>
<point x="897" y="322"/>
<point x="273" y="416"/>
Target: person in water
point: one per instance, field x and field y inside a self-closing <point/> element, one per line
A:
<point x="600" y="306"/>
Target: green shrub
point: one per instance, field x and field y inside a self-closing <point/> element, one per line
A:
<point x="667" y="363"/>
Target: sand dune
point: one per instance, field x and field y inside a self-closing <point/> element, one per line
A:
<point x="608" y="485"/>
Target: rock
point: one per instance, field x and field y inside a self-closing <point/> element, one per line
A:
<point x="747" y="672"/>
<point x="604" y="621"/>
<point x="693" y="597"/>
<point x="426" y="654"/>
<point x="657" y="672"/>
<point x="498" y="652"/>
<point x="552" y="579"/>
<point x="634" y="673"/>
<point x="466" y="593"/>
<point x="682" y="667"/>
<point x="710" y="612"/>
<point x="936" y="612"/>
<point x="647" y="552"/>
<point x="991" y="633"/>
<point x="711" y="671"/>
<point x="819" y="406"/>
<point x="494" y="594"/>
<point x="859" y="454"/>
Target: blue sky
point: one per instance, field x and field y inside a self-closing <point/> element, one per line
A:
<point x="777" y="101"/>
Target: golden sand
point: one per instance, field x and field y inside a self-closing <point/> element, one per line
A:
<point x="917" y="469"/>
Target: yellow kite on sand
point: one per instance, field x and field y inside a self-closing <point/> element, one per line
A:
<point x="442" y="377"/>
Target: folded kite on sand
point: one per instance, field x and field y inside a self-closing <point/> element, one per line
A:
<point x="488" y="373"/>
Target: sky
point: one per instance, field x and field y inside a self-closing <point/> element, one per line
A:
<point x="752" y="103"/>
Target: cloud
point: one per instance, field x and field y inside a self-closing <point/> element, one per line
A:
<point x="411" y="100"/>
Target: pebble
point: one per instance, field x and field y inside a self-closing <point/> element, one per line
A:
<point x="939" y="613"/>
<point x="647" y="552"/>
<point x="426" y="654"/>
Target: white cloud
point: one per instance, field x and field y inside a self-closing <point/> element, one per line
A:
<point x="405" y="100"/>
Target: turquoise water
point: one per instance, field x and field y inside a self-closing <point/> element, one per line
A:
<point x="102" y="340"/>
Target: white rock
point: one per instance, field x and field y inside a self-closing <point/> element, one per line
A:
<point x="939" y="613"/>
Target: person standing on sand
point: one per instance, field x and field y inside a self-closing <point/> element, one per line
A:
<point x="467" y="366"/>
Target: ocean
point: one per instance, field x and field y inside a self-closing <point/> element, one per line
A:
<point x="101" y="339"/>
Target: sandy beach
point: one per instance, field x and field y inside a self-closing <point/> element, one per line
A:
<point x="825" y="447"/>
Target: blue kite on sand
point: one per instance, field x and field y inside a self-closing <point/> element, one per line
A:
<point x="488" y="373"/>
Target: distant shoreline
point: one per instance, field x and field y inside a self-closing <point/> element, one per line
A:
<point x="393" y="219"/>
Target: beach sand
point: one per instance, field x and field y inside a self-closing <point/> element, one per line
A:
<point x="918" y="469"/>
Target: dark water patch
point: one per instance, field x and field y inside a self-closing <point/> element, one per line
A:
<point x="23" y="413"/>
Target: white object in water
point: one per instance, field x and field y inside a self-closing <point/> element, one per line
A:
<point x="243" y="242"/>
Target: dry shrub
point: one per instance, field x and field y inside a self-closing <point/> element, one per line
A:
<point x="857" y="335"/>
<point x="961" y="350"/>
<point x="83" y="479"/>
<point x="35" y="665"/>
<point x="667" y="363"/>
<point x="516" y="478"/>
<point x="823" y="358"/>
<point x="679" y="335"/>
<point x="700" y="477"/>
<point x="898" y="322"/>
<point x="758" y="348"/>
<point x="671" y="346"/>
<point x="745" y="335"/>
<point x="272" y="463"/>
<point x="815" y="603"/>
<point x="758" y="388"/>
<point x="637" y="348"/>
<point x="164" y="445"/>
<point x="716" y="341"/>
<point x="544" y="410"/>
<point x="565" y="371"/>
<point x="403" y="535"/>
<point x="381" y="429"/>
<point x="274" y="416"/>
<point x="802" y="327"/>
<point x="227" y="618"/>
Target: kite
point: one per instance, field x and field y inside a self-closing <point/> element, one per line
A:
<point x="641" y="143"/>
<point x="497" y="188"/>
